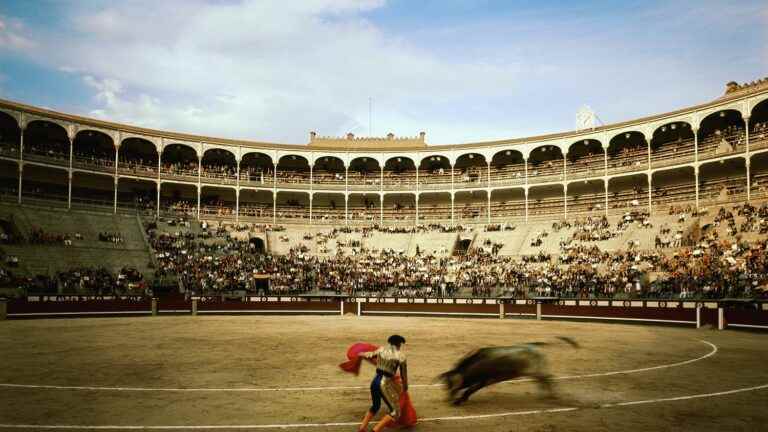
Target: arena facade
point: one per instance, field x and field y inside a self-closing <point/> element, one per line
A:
<point x="698" y="155"/>
<point x="272" y="276"/>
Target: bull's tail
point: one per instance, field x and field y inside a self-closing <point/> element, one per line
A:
<point x="568" y="340"/>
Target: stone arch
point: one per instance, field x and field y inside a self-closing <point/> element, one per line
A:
<point x="179" y="160"/>
<point x="721" y="133"/>
<point x="138" y="155"/>
<point x="627" y="151"/>
<point x="257" y="169"/>
<point x="672" y="144"/>
<point x="758" y="125"/>
<point x="545" y="163"/>
<point x="47" y="139"/>
<point x="435" y="172"/>
<point x="10" y="135"/>
<point x="93" y="149"/>
<point x="329" y="171"/>
<point x="399" y="173"/>
<point x="364" y="173"/>
<point x="507" y="167"/>
<point x="585" y="158"/>
<point x="219" y="164"/>
<point x="470" y="170"/>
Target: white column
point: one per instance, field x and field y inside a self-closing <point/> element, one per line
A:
<point x="311" y="177"/>
<point x="199" y="183"/>
<point x="21" y="163"/>
<point x="117" y="152"/>
<point x="69" y="193"/>
<point x="237" y="192"/>
<point x="159" y="161"/>
<point x="696" y="163"/>
<point x="417" y="193"/>
<point x="605" y="179"/>
<point x="310" y="201"/>
<point x="525" y="164"/>
<point x="346" y="208"/>
<point x="274" y="194"/>
<point x="748" y="160"/>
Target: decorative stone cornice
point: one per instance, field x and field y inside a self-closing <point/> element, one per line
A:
<point x="351" y="142"/>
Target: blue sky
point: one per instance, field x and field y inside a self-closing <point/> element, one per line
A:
<point x="461" y="70"/>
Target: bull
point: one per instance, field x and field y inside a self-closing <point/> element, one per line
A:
<point x="491" y="365"/>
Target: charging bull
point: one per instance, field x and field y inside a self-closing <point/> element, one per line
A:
<point x="492" y="365"/>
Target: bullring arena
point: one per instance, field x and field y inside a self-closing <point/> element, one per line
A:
<point x="165" y="281"/>
<point x="279" y="372"/>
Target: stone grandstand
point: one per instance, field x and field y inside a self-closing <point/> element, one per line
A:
<point x="654" y="184"/>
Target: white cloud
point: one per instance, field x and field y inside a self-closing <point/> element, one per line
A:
<point x="261" y="70"/>
<point x="11" y="35"/>
<point x="274" y="70"/>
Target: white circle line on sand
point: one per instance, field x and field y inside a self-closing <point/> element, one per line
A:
<point x="713" y="351"/>
<point x="426" y="419"/>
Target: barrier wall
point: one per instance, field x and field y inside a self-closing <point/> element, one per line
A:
<point x="744" y="314"/>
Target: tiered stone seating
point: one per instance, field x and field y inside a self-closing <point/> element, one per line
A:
<point x="43" y="259"/>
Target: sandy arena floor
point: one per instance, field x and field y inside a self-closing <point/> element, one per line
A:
<point x="267" y="372"/>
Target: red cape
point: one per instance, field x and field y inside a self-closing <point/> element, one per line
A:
<point x="352" y="365"/>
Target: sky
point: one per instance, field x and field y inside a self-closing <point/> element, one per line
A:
<point x="460" y="70"/>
